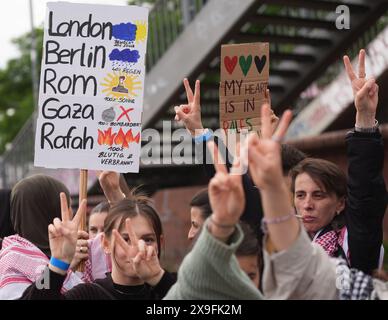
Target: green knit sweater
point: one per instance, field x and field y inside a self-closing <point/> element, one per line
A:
<point x="211" y="271"/>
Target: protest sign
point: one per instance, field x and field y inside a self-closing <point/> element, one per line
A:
<point x="244" y="80"/>
<point x="91" y="87"/>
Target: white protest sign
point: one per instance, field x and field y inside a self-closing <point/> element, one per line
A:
<point x="91" y="87"/>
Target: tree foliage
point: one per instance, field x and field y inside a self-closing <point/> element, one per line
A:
<point x="16" y="94"/>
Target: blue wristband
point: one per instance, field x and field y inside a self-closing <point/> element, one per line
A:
<point x="204" y="137"/>
<point x="59" y="264"/>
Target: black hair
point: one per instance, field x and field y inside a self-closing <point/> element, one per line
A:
<point x="201" y="200"/>
<point x="291" y="156"/>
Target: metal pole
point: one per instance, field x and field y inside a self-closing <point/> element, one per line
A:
<point x="188" y="11"/>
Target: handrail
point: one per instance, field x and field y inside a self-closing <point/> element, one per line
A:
<point x="167" y="19"/>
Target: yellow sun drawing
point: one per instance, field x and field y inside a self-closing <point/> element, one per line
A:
<point x="141" y="32"/>
<point x="121" y="85"/>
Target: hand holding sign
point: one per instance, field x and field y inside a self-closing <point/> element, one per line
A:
<point x="110" y="184"/>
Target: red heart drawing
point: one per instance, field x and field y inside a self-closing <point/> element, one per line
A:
<point x="230" y="64"/>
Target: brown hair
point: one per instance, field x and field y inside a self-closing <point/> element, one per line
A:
<point x="291" y="156"/>
<point x="102" y="207"/>
<point x="325" y="174"/>
<point x="250" y="245"/>
<point x="134" y="205"/>
<point x="201" y="200"/>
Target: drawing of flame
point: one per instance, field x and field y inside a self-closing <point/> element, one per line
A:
<point x="119" y="139"/>
<point x="105" y="137"/>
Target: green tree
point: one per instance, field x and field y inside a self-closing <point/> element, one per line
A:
<point x="16" y="96"/>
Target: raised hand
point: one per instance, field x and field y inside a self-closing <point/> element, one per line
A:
<point x="265" y="166"/>
<point x="264" y="154"/>
<point x="144" y="257"/>
<point x="110" y="184"/>
<point x="365" y="92"/>
<point x="226" y="195"/>
<point x="190" y="113"/>
<point x="63" y="234"/>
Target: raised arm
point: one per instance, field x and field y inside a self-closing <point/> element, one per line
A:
<point x="210" y="270"/>
<point x="366" y="200"/>
<point x="110" y="185"/>
<point x="63" y="234"/>
<point x="190" y="115"/>
<point x="295" y="269"/>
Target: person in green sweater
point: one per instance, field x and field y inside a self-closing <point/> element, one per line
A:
<point x="294" y="268"/>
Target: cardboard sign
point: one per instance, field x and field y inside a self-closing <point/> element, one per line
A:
<point x="244" y="80"/>
<point x="91" y="87"/>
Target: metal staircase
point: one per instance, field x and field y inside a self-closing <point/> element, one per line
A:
<point x="184" y="41"/>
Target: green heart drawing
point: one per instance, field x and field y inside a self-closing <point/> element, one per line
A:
<point x="245" y="64"/>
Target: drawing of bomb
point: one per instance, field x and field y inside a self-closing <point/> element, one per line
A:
<point x="108" y="115"/>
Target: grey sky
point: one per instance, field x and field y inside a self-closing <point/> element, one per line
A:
<point x="15" y="21"/>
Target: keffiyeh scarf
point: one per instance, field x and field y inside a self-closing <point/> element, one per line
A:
<point x="353" y="284"/>
<point x="21" y="264"/>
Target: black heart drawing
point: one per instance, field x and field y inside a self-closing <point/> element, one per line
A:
<point x="260" y="63"/>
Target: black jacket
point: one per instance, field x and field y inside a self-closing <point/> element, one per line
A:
<point x="366" y="201"/>
<point x="101" y="289"/>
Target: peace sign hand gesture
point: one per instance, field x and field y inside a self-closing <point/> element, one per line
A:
<point x="63" y="233"/>
<point x="365" y="92"/>
<point x="190" y="113"/>
<point x="264" y="155"/>
<point x="226" y="195"/>
<point x="144" y="257"/>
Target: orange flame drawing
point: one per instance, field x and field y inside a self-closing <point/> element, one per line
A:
<point x="130" y="138"/>
<point x="105" y="137"/>
<point x="120" y="139"/>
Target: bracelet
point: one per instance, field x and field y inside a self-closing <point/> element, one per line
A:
<point x="277" y="220"/>
<point x="367" y="130"/>
<point x="204" y="137"/>
<point x="59" y="264"/>
<point x="223" y="226"/>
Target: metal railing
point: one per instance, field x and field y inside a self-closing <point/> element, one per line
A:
<point x="167" y="20"/>
<point x="337" y="67"/>
<point x="18" y="160"/>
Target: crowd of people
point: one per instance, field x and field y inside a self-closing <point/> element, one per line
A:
<point x="292" y="227"/>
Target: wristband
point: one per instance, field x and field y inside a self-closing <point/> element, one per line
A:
<point x="204" y="137"/>
<point x="367" y="130"/>
<point x="59" y="264"/>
